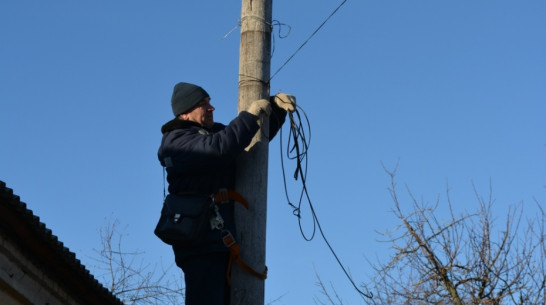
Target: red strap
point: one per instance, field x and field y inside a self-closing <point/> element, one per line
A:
<point x="235" y="251"/>
<point x="225" y="195"/>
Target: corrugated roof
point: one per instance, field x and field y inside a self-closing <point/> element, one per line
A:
<point x="25" y="230"/>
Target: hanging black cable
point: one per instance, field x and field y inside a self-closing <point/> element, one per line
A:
<point x="297" y="149"/>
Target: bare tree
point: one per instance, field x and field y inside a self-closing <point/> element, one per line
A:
<point x="331" y="297"/>
<point x="128" y="277"/>
<point x="136" y="283"/>
<point x="460" y="260"/>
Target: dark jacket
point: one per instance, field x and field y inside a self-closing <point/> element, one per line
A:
<point x="200" y="161"/>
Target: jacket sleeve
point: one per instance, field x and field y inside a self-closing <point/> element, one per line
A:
<point x="195" y="149"/>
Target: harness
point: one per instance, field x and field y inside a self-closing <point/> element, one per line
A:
<point x="217" y="223"/>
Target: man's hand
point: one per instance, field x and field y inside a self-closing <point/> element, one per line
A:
<point x="260" y="106"/>
<point x="285" y="101"/>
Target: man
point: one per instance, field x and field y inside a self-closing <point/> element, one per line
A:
<point x="199" y="156"/>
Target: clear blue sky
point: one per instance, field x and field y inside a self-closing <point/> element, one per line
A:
<point x="454" y="91"/>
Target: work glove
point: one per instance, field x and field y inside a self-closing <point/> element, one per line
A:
<point x="258" y="107"/>
<point x="285" y="101"/>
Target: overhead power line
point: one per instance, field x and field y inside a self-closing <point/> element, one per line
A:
<point x="307" y="40"/>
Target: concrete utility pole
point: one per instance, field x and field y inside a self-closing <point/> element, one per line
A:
<point x="254" y="73"/>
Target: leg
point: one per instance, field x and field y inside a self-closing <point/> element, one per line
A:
<point x="205" y="277"/>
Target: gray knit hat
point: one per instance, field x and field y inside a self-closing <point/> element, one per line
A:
<point x="186" y="96"/>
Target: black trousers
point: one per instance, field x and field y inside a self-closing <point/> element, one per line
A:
<point x="206" y="280"/>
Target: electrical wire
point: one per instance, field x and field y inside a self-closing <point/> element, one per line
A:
<point x="307" y="40"/>
<point x="297" y="149"/>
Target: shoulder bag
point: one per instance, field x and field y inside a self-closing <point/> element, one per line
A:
<point x="184" y="219"/>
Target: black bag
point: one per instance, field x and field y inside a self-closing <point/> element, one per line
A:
<point x="184" y="220"/>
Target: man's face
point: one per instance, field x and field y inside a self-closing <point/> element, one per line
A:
<point x="201" y="113"/>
